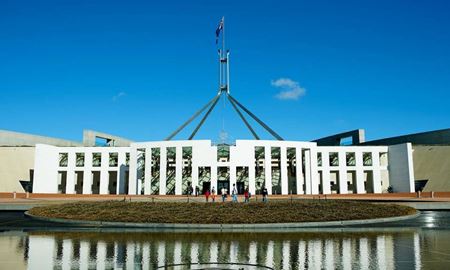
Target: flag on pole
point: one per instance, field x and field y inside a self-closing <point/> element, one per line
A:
<point x="219" y="29"/>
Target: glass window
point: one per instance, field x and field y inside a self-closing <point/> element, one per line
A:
<point x="113" y="159"/>
<point x="319" y="159"/>
<point x="334" y="159"/>
<point x="350" y="159"/>
<point x="367" y="159"/>
<point x="96" y="159"/>
<point x="63" y="159"/>
<point x="79" y="159"/>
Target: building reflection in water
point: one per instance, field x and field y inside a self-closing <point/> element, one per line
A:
<point x="345" y="250"/>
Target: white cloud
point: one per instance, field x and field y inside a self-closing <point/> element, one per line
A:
<point x="119" y="95"/>
<point x="289" y="89"/>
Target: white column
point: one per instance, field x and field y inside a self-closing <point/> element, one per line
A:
<point x="214" y="177"/>
<point x="299" y="170"/>
<point x="343" y="186"/>
<point x="70" y="181"/>
<point x="283" y="170"/>
<point x="195" y="176"/>
<point x="132" y="187"/>
<point x="121" y="173"/>
<point x="308" y="172"/>
<point x="301" y="254"/>
<point x="360" y="189"/>
<point x="314" y="180"/>
<point x="251" y="179"/>
<point x="268" y="168"/>
<point x="417" y="252"/>
<point x="178" y="170"/>
<point x="232" y="177"/>
<point x="104" y="175"/>
<point x="87" y="173"/>
<point x="214" y="252"/>
<point x="376" y="172"/>
<point x="148" y="171"/>
<point x="163" y="171"/>
<point x="381" y="250"/>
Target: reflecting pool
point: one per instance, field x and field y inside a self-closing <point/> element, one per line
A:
<point x="395" y="247"/>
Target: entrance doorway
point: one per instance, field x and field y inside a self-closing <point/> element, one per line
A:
<point x="223" y="179"/>
<point x="240" y="186"/>
<point x="223" y="184"/>
<point x="206" y="186"/>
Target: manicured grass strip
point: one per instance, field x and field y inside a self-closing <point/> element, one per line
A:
<point x="222" y="213"/>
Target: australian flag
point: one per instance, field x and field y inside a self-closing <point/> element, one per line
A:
<point x="219" y="29"/>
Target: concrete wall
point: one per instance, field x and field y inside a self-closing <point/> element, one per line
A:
<point x="11" y="138"/>
<point x="433" y="163"/>
<point x="89" y="137"/>
<point x="401" y="169"/>
<point x="15" y="165"/>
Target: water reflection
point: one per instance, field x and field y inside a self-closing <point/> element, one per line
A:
<point x="383" y="249"/>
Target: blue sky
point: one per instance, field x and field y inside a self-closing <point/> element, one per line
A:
<point x="139" y="69"/>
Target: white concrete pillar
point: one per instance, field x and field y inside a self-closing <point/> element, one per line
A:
<point x="87" y="173"/>
<point x="343" y="186"/>
<point x="313" y="165"/>
<point x="148" y="171"/>
<point x="308" y="189"/>
<point x="214" y="252"/>
<point x="195" y="176"/>
<point x="132" y="183"/>
<point x="234" y="251"/>
<point x="163" y="171"/>
<point x="121" y="173"/>
<point x="284" y="171"/>
<point x="70" y="181"/>
<point x="325" y="181"/>
<point x="232" y="177"/>
<point x="214" y="177"/>
<point x="268" y="168"/>
<point x="252" y="179"/>
<point x="104" y="174"/>
<point x="299" y="170"/>
<point x="377" y="188"/>
<point x="381" y="250"/>
<point x="301" y="255"/>
<point x="178" y="170"/>
<point x="360" y="189"/>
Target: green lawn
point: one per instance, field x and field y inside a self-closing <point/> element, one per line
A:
<point x="222" y="213"/>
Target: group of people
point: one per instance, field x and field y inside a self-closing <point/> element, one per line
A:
<point x="234" y="194"/>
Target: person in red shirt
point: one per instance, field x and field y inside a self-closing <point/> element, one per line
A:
<point x="246" y="195"/>
<point x="207" y="195"/>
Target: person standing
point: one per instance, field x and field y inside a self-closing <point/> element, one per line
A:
<point x="207" y="195"/>
<point x="213" y="194"/>
<point x="265" y="195"/>
<point x="224" y="194"/>
<point x="234" y="193"/>
<point x="246" y="196"/>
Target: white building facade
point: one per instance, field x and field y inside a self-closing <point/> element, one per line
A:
<point x="176" y="167"/>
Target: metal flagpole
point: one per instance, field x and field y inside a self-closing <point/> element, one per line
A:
<point x="278" y="137"/>
<point x="204" y="117"/>
<point x="190" y="119"/>
<point x="243" y="118"/>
